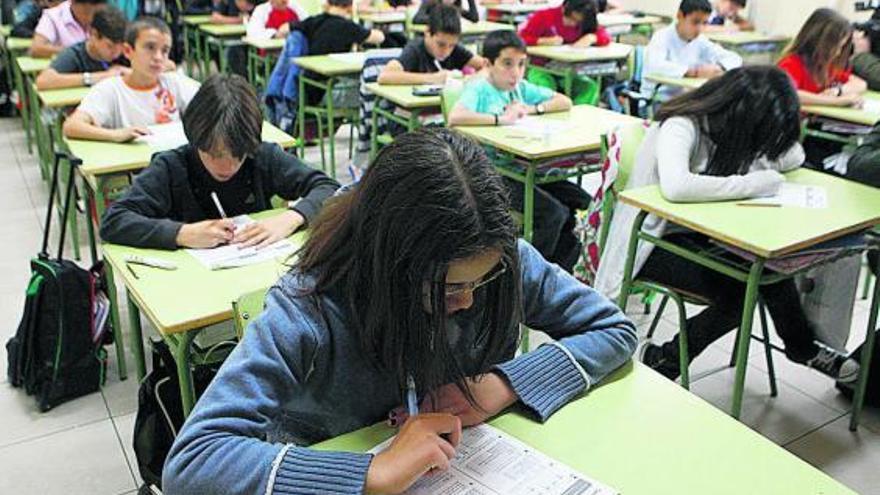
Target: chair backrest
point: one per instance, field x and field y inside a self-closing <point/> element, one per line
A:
<point x="448" y="98"/>
<point x="246" y="308"/>
<point x="636" y="66"/>
<point x="620" y="148"/>
<point x="630" y="138"/>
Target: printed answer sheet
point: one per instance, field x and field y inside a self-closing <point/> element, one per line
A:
<point x="231" y="256"/>
<point x="799" y="195"/>
<point x="538" y="126"/>
<point x="163" y="137"/>
<point x="491" y="462"/>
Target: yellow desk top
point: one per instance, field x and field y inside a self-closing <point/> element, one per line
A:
<point x="265" y="44"/>
<point x="335" y="64"/>
<point x="869" y="115"/>
<point x="18" y="44"/>
<point x="60" y="98"/>
<point x="746" y="38"/>
<point x="627" y="20"/>
<point x="224" y="30"/>
<point x="585" y="125"/>
<point x="572" y="54"/>
<point x="680" y="82"/>
<point x="771" y="232"/>
<point x="101" y="158"/>
<point x="401" y="95"/>
<point x="31" y="65"/>
<point x="192" y="296"/>
<point x="195" y="20"/>
<point x="517" y="8"/>
<point x="386" y="17"/>
<point x="469" y="28"/>
<point x="5" y="30"/>
<point x="642" y="434"/>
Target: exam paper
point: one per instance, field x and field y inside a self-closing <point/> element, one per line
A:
<point x="872" y="106"/>
<point x="491" y="462"/>
<point x="799" y="195"/>
<point x="231" y="256"/>
<point x="164" y="137"/>
<point x="538" y="126"/>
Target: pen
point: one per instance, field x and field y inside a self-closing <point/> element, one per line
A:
<point x="128" y="265"/>
<point x="437" y="63"/>
<point x="217" y="204"/>
<point x="412" y="401"/>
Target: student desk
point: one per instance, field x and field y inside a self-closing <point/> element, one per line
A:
<point x="102" y="162"/>
<point x="383" y="18"/>
<point x="677" y="82"/>
<point x="848" y="114"/>
<point x="751" y="43"/>
<point x="569" y="61"/>
<point x="192" y="48"/>
<point x="513" y="13"/>
<point x="642" y="435"/>
<point x="261" y="58"/>
<point x="402" y="98"/>
<point x="220" y="37"/>
<point x="586" y="125"/>
<point x="332" y="68"/>
<point x="766" y="234"/>
<point x="618" y="24"/>
<point x="179" y="303"/>
<point x="472" y="33"/>
<point x="24" y="68"/>
<point x="5" y="29"/>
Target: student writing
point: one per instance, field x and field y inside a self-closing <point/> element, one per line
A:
<point x="729" y="139"/>
<point x="170" y="203"/>
<point x="572" y="23"/>
<point x="63" y="25"/>
<point x="432" y="59"/>
<point x="119" y="108"/>
<point x="91" y="61"/>
<point x="415" y="272"/>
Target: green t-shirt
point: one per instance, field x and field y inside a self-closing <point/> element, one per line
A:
<point x="482" y="97"/>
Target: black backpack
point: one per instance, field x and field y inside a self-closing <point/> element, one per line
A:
<point x="872" y="391"/>
<point x="56" y="353"/>
<point x="160" y="410"/>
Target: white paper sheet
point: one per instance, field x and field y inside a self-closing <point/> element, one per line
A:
<point x="539" y="127"/>
<point x="799" y="195"/>
<point x="164" y="137"/>
<point x="232" y="255"/>
<point x="872" y="106"/>
<point x="491" y="462"/>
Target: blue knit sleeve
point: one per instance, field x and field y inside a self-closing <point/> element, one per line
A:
<point x="593" y="337"/>
<point x="222" y="447"/>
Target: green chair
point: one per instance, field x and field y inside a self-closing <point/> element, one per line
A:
<point x="631" y="138"/>
<point x="246" y="308"/>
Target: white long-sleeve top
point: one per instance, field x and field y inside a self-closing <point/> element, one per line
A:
<point x="256" y="26"/>
<point x="675" y="156"/>
<point x="668" y="54"/>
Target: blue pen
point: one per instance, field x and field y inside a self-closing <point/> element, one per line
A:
<point x="412" y="400"/>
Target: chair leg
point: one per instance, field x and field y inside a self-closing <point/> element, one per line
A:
<point x="866" y="286"/>
<point x="768" y="348"/>
<point x="656" y="319"/>
<point x="683" y="356"/>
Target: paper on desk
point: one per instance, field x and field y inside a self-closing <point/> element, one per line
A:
<point x="491" y="462"/>
<point x="232" y="256"/>
<point x="164" y="137"/>
<point x="872" y="106"/>
<point x="799" y="195"/>
<point x="538" y="126"/>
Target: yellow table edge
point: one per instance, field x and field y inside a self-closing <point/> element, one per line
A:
<point x="615" y="51"/>
<point x="388" y="92"/>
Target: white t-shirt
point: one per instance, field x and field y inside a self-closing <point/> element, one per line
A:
<point x="114" y="105"/>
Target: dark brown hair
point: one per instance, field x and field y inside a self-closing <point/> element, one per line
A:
<point x="818" y="41"/>
<point x="224" y="110"/>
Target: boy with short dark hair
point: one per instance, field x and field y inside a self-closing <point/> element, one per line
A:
<point x="680" y="49"/>
<point x="170" y="204"/>
<point x="64" y="25"/>
<point x="430" y="59"/>
<point x="231" y="11"/>
<point x="91" y="61"/>
<point x="502" y="98"/>
<point x="119" y="108"/>
<point x="726" y="17"/>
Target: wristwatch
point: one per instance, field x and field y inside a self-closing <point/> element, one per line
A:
<point x="539" y="109"/>
<point x="87" y="78"/>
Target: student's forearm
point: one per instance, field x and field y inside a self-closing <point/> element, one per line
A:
<point x="855" y="86"/>
<point x="224" y="19"/>
<point x="50" y="79"/>
<point x="78" y="129"/>
<point x="559" y="103"/>
<point x="44" y="49"/>
<point x="404" y="77"/>
<point x="463" y="116"/>
<point x="808" y="98"/>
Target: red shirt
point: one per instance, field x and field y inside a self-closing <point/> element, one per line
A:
<point x="548" y="23"/>
<point x="278" y="18"/>
<point x="794" y="65"/>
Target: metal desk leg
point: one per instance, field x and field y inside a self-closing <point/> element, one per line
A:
<point x="25" y="106"/>
<point x="745" y="334"/>
<point x="301" y="116"/>
<point x="529" y="203"/>
<point x="626" y="283"/>
<point x="137" y="339"/>
<point x="330" y="125"/>
<point x="865" y="364"/>
<point x="90" y="224"/>
<point x="374" y="129"/>
<point x="181" y="347"/>
<point x="114" y="321"/>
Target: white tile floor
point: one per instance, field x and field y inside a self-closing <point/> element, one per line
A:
<point x="84" y="446"/>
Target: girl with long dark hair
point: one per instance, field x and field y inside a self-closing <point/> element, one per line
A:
<point x="727" y="140"/>
<point x="416" y="274"/>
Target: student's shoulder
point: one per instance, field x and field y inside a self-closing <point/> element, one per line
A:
<point x="680" y="127"/>
<point x="107" y="88"/>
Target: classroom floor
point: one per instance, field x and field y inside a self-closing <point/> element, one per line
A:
<point x="84" y="446"/>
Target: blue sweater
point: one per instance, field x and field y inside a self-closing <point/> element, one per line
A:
<point x="299" y="376"/>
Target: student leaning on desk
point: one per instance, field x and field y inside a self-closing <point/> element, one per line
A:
<point x="64" y="25"/>
<point x="433" y="58"/>
<point x="726" y="17"/>
<point x="171" y="202"/>
<point x="727" y="140"/>
<point x="416" y="274"/>
<point x="119" y="108"/>
<point x="91" y="61"/>
<point x="503" y="98"/>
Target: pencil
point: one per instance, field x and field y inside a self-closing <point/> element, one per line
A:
<point x="218" y="205"/>
<point x="134" y="273"/>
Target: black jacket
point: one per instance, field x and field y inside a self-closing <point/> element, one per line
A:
<point x="162" y="199"/>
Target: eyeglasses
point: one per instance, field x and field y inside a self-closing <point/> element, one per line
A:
<point x="456" y="289"/>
